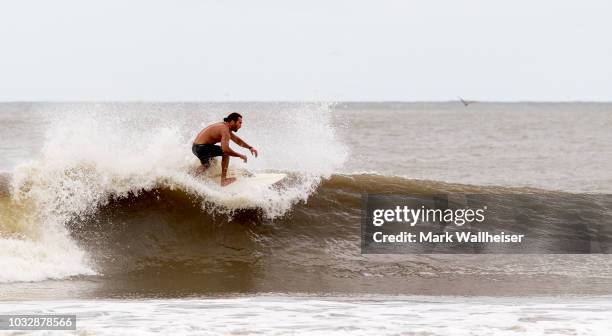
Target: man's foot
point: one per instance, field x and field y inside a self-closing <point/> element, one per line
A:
<point x="227" y="181"/>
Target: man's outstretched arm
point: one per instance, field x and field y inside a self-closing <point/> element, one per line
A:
<point x="225" y="137"/>
<point x="241" y="143"/>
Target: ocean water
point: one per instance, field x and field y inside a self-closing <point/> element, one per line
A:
<point x="99" y="206"/>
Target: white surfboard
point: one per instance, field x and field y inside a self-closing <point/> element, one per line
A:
<point x="245" y="180"/>
<point x="254" y="181"/>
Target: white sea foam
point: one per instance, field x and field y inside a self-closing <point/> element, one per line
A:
<point x="93" y="153"/>
<point x="370" y="315"/>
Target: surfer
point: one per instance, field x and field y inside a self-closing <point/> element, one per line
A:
<point x="205" y="149"/>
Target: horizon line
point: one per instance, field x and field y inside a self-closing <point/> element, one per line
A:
<point x="135" y="101"/>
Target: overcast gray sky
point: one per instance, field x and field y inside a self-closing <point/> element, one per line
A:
<point x="308" y="50"/>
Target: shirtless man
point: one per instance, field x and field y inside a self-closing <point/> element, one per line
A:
<point x="205" y="149"/>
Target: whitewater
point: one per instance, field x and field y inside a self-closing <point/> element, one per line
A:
<point x="92" y="154"/>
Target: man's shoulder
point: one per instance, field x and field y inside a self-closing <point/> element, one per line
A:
<point x="224" y="127"/>
<point x="220" y="128"/>
<point x="217" y="126"/>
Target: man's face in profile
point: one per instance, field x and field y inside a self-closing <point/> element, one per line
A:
<point x="236" y="124"/>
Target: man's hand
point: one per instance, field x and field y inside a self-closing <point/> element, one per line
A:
<point x="243" y="157"/>
<point x="253" y="151"/>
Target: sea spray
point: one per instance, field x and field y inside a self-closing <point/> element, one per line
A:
<point x="94" y="153"/>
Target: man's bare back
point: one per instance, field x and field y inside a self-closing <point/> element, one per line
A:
<point x="211" y="134"/>
<point x="204" y="144"/>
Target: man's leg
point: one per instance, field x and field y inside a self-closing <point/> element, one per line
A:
<point x="202" y="167"/>
<point x="224" y="164"/>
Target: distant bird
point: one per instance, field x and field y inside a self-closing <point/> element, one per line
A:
<point x="466" y="102"/>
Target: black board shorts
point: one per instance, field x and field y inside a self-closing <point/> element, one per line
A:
<point x="205" y="152"/>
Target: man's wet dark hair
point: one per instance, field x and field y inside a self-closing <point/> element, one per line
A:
<point x="233" y="116"/>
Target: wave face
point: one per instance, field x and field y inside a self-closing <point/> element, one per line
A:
<point x="94" y="155"/>
<point x="168" y="240"/>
